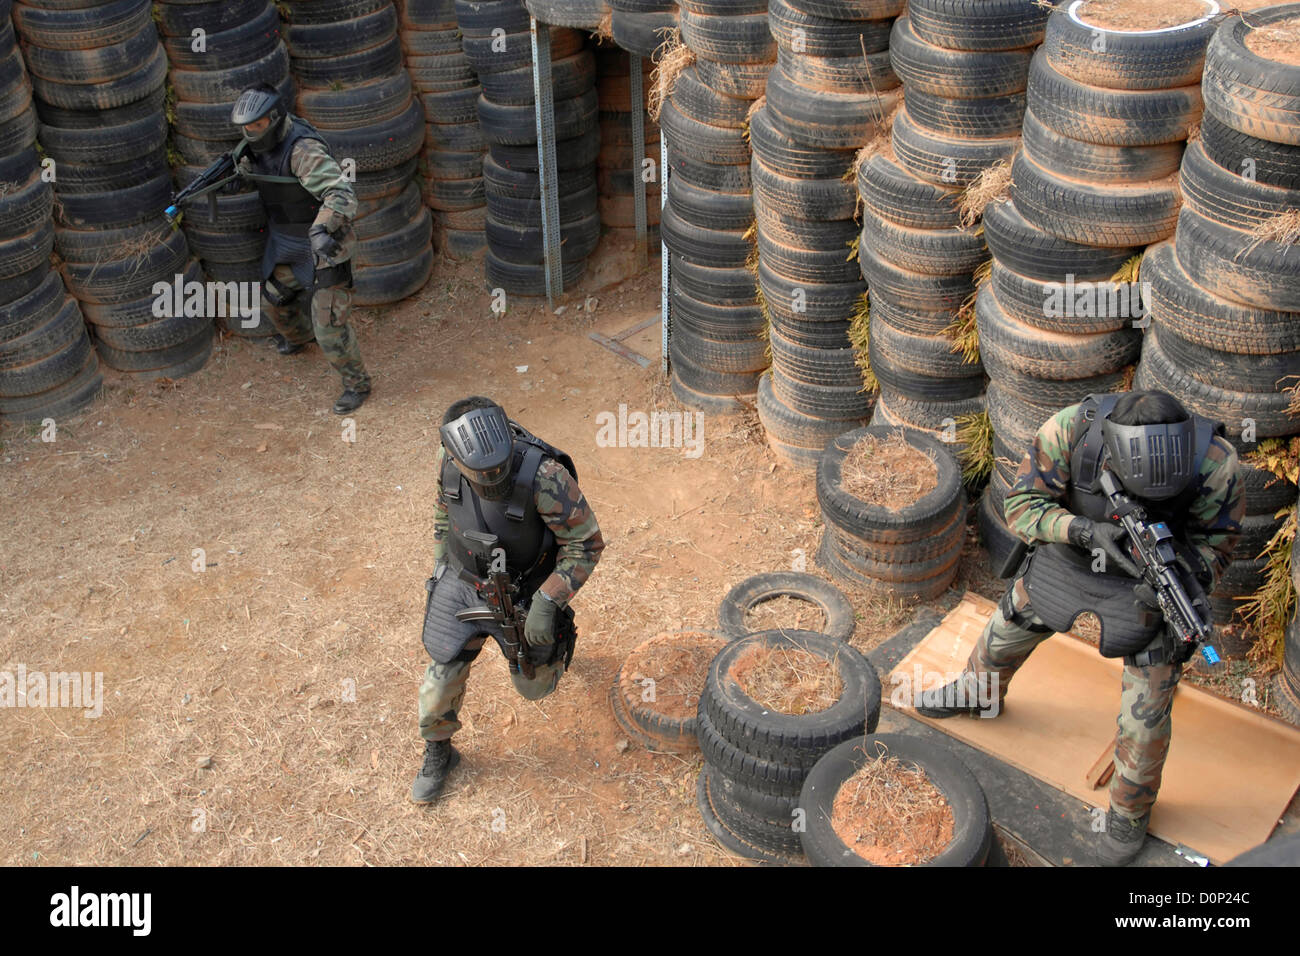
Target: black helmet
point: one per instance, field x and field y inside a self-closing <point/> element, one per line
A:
<point x="476" y="435"/>
<point x="254" y="103"/>
<point x="1149" y="440"/>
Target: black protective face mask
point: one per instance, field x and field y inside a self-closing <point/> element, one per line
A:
<point x="270" y="137"/>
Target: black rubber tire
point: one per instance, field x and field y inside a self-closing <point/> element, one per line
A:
<point x="124" y="315"/>
<point x="990" y="117"/>
<point x="381" y="146"/>
<point x="913" y="290"/>
<point x="58" y="333"/>
<point x="972" y="826"/>
<point x="117" y="208"/>
<point x="742" y="323"/>
<point x="823" y="36"/>
<point x="25" y="206"/>
<point x="702" y="142"/>
<point x="716" y="248"/>
<point x="529" y="280"/>
<point x="994" y="536"/>
<point x="990" y="25"/>
<point x="742" y="356"/>
<point x="32" y="309"/>
<point x="708" y="381"/>
<point x="1097" y="165"/>
<point x="174" y="362"/>
<point x="745" y="80"/>
<point x="1273" y="164"/>
<point x="800" y="436"/>
<point x="575" y="153"/>
<point x="642" y="33"/>
<point x="735" y="38"/>
<point x="891" y="191"/>
<point x="1181" y="305"/>
<point x="840" y="74"/>
<point x="668" y="734"/>
<point x="884" y="525"/>
<point x="933" y="252"/>
<point x="1219" y="194"/>
<point x="328" y="11"/>
<point x="1253" y="95"/>
<point x="86" y="97"/>
<point x="816" y="199"/>
<point x="777" y="748"/>
<point x="65" y="27"/>
<point x="341" y="37"/>
<point x="827" y="120"/>
<point x="821" y="312"/>
<point x="1106" y="117"/>
<point x="758" y="588"/>
<point x="1127" y="60"/>
<point x="711" y="813"/>
<point x="19" y="133"/>
<point x="845" y="403"/>
<point x="101" y="64"/>
<point x="53" y="368"/>
<point x="1021" y="247"/>
<point x="851" y="10"/>
<point x="105" y="144"/>
<point x="956" y="73"/>
<point x="701" y="103"/>
<point x="946" y="161"/>
<point x="571" y="76"/>
<point x="97" y="278"/>
<point x="1109" y="214"/>
<point x="66" y="399"/>
<point x="786" y="157"/>
<point x="250" y="40"/>
<point x="718" y="177"/>
<point x="377" y="101"/>
<point x="1267" y="410"/>
<point x="382" y="285"/>
<point x="731" y="286"/>
<point x="1048" y="305"/>
<point x="181" y="19"/>
<point x="818" y="258"/>
<point x="890" y="359"/>
<point x="708" y="209"/>
<point x="924" y="589"/>
<point x="1232" y="264"/>
<point x="20" y="256"/>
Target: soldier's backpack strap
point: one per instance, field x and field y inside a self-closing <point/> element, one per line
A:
<point x="523" y="434"/>
<point x="1085" y="453"/>
<point x="451" y="479"/>
<point x="525" y="483"/>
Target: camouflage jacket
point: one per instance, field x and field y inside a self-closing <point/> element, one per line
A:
<point x="563" y="507"/>
<point x="1034" y="511"/>
<point x="321" y="175"/>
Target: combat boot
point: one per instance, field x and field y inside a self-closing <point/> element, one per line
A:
<point x="349" y="401"/>
<point x="956" y="698"/>
<point x="1123" y="839"/>
<point x="439" y="759"/>
<point x="285" y="347"/>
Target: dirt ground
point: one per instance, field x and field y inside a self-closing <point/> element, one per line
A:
<point x="262" y="711"/>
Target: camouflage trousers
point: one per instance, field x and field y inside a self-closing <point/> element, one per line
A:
<point x="1146" y="701"/>
<point x="328" y="325"/>
<point x="443" y="690"/>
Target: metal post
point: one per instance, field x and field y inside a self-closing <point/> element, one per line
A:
<point x="546" y="164"/>
<point x="638" y="157"/>
<point x="663" y="247"/>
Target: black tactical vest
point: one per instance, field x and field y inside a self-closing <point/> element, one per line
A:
<point x="529" y="544"/>
<point x="290" y="209"/>
<point x="1060" y="579"/>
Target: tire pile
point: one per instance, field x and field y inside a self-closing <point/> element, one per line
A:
<point x="642" y="26"/>
<point x="451" y="162"/>
<point x="346" y="61"/>
<point x="1225" y="310"/>
<point x="616" y="167"/>
<point x="964" y="69"/>
<point x="756" y="759"/>
<point x="216" y="50"/>
<point x="911" y="552"/>
<point x="99" y="77"/>
<point x="47" y="365"/>
<point x="1109" y="112"/>
<point x="823" y="104"/>
<point x="507" y="119"/>
<point x="716" y="324"/>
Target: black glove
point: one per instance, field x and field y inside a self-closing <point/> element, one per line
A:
<point x="1088" y="534"/>
<point x="322" y="243"/>
<point x="1146" y="594"/>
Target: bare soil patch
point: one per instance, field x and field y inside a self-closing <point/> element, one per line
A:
<point x="1137" y="15"/>
<point x="1278" y="42"/>
<point x="888" y="472"/>
<point x="785" y="612"/>
<point x="678" y="664"/>
<point x="890" y="814"/>
<point x="787" y="679"/>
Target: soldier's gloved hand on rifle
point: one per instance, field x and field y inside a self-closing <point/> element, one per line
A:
<point x="539" y="627"/>
<point x="1088" y="534"/>
<point x="322" y="243"/>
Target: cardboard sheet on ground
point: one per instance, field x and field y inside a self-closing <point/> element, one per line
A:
<point x="1231" y="770"/>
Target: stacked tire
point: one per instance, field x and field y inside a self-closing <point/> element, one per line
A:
<point x="716" y="323"/>
<point x="964" y="97"/>
<point x="47" y="365"/>
<point x="1108" y="114"/>
<point x="580" y="14"/>
<point x="216" y="50"/>
<point x="99" y="78"/>
<point x="756" y="759"/>
<point x="616" y="166"/>
<point x="912" y="552"/>
<point x="1225" y="309"/>
<point x="503" y="60"/>
<point x="451" y="162"/>
<point x="824" y="102"/>
<point x="1287" y="683"/>
<point x="642" y="26"/>
<point x="346" y="60"/>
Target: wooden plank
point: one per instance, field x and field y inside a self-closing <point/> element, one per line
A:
<point x="1230" y="773"/>
<point x="1102" y="770"/>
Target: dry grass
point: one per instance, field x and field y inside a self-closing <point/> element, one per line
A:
<point x="605" y="28"/>
<point x="1129" y="271"/>
<point x="888" y="472"/>
<point x="964" y="329"/>
<point x="860" y="339"/>
<point x="1293" y="392"/>
<point x="853" y="248"/>
<point x="975" y="441"/>
<point x="1283" y="228"/>
<point x="879" y="143"/>
<point x="678" y="664"/>
<point x="891" y="814"/>
<point x="1271" y="607"/>
<point x="992" y="185"/>
<point x="674" y="56"/>
<point x="785" y="613"/>
<point x="788" y="680"/>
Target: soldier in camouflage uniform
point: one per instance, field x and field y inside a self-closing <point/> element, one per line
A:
<point x="310" y="206"/>
<point x="495" y="477"/>
<point x="1183" y="471"/>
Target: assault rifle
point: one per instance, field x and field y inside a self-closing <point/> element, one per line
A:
<point x="498" y="594"/>
<point x="1152" y="545"/>
<point x="221" y="172"/>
